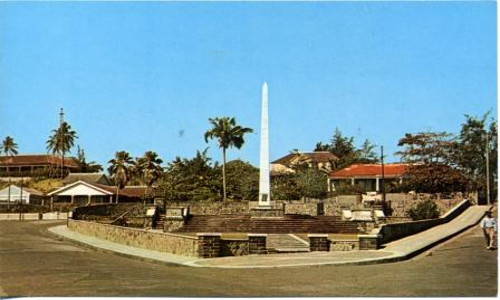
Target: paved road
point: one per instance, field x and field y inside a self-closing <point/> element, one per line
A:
<point x="32" y="263"/>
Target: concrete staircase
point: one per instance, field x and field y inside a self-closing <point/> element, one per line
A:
<point x="286" y="243"/>
<point x="284" y="225"/>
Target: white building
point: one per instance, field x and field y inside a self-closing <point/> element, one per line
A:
<point x="29" y="196"/>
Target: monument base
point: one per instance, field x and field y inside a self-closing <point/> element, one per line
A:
<point x="266" y="212"/>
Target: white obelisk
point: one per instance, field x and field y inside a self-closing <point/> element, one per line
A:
<point x="264" y="186"/>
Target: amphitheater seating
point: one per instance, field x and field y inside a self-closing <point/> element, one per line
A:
<point x="286" y="224"/>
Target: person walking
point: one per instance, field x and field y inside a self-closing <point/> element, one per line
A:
<point x="489" y="225"/>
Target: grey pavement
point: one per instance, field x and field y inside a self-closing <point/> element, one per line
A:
<point x="395" y="251"/>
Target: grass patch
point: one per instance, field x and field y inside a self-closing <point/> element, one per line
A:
<point x="234" y="236"/>
<point x="342" y="237"/>
<point x="46" y="185"/>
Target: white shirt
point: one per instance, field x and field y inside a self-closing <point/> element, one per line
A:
<point x="489" y="222"/>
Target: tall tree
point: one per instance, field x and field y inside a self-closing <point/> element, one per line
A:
<point x="149" y="168"/>
<point x="428" y="147"/>
<point x="343" y="147"/>
<point x="433" y="167"/>
<point x="471" y="154"/>
<point x="305" y="182"/>
<point x="242" y="180"/>
<point x="9" y="148"/>
<point x="321" y="147"/>
<point x="61" y="141"/>
<point x="434" y="178"/>
<point x="311" y="183"/>
<point x="84" y="166"/>
<point x="366" y="154"/>
<point x="228" y="134"/>
<point x="120" y="170"/>
<point x="191" y="179"/>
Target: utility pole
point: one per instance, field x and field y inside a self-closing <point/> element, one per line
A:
<point x="383" y="172"/>
<point x="21" y="200"/>
<point x="61" y="136"/>
<point x="487" y="170"/>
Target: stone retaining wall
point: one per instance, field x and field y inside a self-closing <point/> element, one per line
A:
<point x="107" y="211"/>
<point x="157" y="241"/>
<point x="301" y="208"/>
<point x="401" y="202"/>
<point x="266" y="213"/>
<point x="234" y="247"/>
<point x="344" y="245"/>
<point x="212" y="207"/>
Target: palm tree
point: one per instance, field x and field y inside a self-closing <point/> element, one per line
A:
<point x="228" y="134"/>
<point x="148" y="167"/>
<point x="9" y="148"/>
<point x="120" y="170"/>
<point x="61" y="142"/>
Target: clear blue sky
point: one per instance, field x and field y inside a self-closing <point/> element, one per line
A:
<point x="147" y="76"/>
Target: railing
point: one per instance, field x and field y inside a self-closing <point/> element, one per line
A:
<point x="121" y="219"/>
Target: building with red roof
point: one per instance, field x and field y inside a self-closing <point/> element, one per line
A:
<point x="367" y="176"/>
<point x="28" y="165"/>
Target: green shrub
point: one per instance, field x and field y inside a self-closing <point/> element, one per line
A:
<point x="424" y="210"/>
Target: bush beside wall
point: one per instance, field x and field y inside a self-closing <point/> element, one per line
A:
<point x="391" y="232"/>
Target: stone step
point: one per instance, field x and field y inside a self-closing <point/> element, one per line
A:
<point x="272" y="228"/>
<point x="286" y="243"/>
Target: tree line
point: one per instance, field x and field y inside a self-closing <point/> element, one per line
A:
<point x="440" y="162"/>
<point x="344" y="148"/>
<point x="445" y="162"/>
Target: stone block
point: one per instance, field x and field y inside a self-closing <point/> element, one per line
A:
<point x="344" y="245"/>
<point x="257" y="243"/>
<point x="209" y="245"/>
<point x="369" y="241"/>
<point x="318" y="242"/>
<point x="267" y="212"/>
